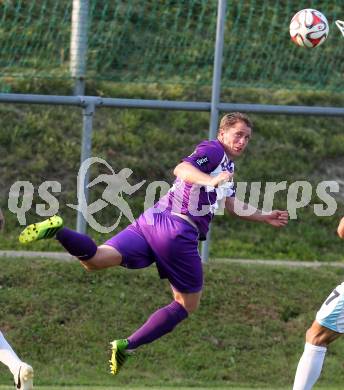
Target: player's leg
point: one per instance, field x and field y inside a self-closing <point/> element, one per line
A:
<point x="320" y="336"/>
<point x="174" y="243"/>
<point x="161" y="322"/>
<point x="165" y="319"/>
<point x="106" y="256"/>
<point x="310" y="365"/>
<point x="22" y="372"/>
<point x="77" y="244"/>
<point x="327" y="327"/>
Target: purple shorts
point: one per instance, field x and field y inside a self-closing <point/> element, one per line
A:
<point x="170" y="242"/>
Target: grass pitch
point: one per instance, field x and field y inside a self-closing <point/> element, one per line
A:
<point x="250" y="326"/>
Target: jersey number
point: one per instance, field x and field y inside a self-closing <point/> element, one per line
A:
<point x="332" y="297"/>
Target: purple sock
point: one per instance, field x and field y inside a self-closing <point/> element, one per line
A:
<point x="77" y="244"/>
<point x="159" y="323"/>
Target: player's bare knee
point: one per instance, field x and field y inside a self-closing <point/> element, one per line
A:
<point x="190" y="301"/>
<point x="318" y="341"/>
<point x="189" y="305"/>
<point x="311" y="335"/>
<point x="316" y="336"/>
<point x="191" y="308"/>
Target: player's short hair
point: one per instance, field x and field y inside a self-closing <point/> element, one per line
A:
<point x="232" y="118"/>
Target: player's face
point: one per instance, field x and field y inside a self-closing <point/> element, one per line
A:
<point x="235" y="138"/>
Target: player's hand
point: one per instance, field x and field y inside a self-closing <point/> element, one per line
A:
<point x="340" y="229"/>
<point x="277" y="218"/>
<point x="2" y="221"/>
<point x="221" y="178"/>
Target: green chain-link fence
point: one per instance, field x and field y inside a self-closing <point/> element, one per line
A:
<point x="171" y="41"/>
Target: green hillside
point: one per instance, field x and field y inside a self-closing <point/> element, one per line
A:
<point x="249" y="328"/>
<point x="39" y="143"/>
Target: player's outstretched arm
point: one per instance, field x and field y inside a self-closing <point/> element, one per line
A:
<point x="340" y="229"/>
<point x="276" y="218"/>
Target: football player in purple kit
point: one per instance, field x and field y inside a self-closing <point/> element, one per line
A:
<point x="168" y="233"/>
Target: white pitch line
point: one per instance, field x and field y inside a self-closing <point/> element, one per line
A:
<point x="285" y="263"/>
<point x="41" y="255"/>
<point x="63" y="256"/>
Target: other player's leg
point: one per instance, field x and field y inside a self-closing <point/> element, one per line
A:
<point x="327" y="327"/>
<point x="22" y="372"/>
<point x="310" y="365"/>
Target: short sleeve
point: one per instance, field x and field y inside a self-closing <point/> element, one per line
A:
<point x="206" y="157"/>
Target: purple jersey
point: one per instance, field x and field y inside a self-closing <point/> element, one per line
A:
<point x="198" y="202"/>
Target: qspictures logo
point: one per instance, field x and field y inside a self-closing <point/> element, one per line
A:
<point x="118" y="190"/>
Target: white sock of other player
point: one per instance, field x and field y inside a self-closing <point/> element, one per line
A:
<point x="309" y="367"/>
<point x="8" y="356"/>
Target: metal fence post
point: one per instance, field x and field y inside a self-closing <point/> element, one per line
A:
<point x="86" y="147"/>
<point x="78" y="45"/>
<point x="216" y="90"/>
